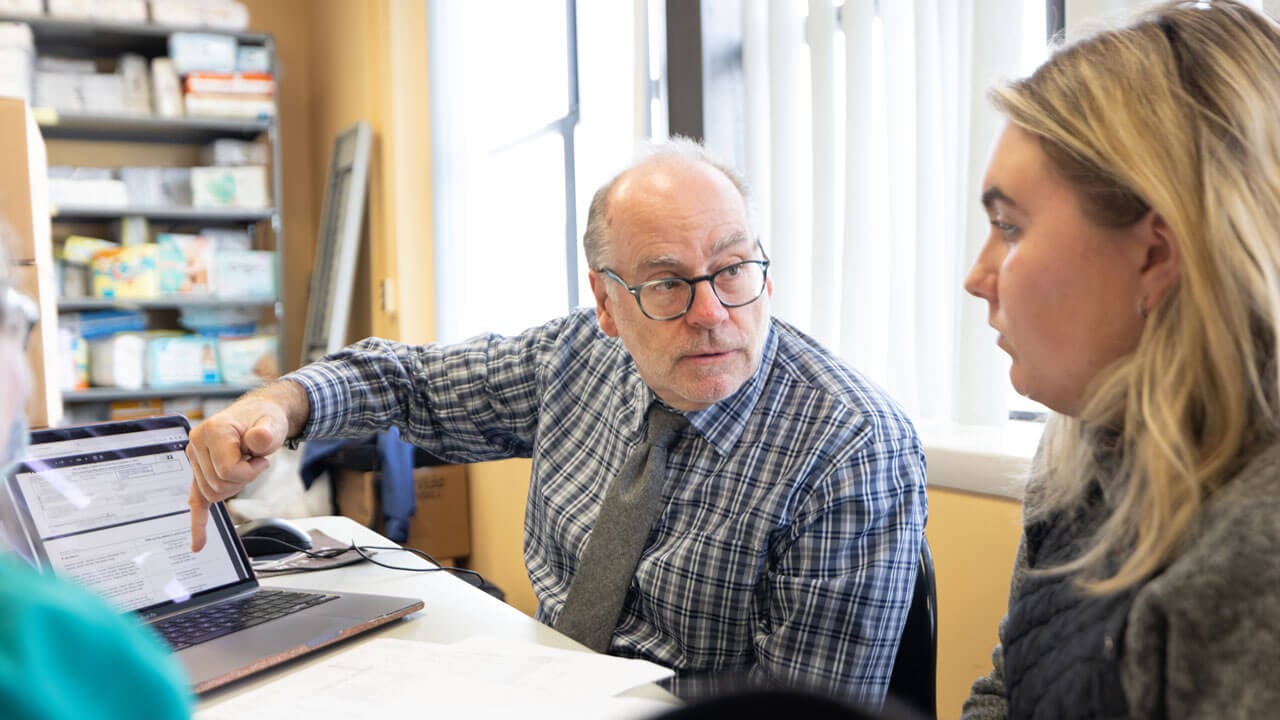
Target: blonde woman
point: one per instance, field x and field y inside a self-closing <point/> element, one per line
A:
<point x="1133" y="273"/>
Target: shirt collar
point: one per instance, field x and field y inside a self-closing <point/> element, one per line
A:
<point x="721" y="424"/>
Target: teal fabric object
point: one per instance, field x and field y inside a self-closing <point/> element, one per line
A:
<point x="65" y="653"/>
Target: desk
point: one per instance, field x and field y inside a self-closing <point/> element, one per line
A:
<point x="454" y="609"/>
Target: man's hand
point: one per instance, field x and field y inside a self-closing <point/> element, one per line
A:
<point x="228" y="451"/>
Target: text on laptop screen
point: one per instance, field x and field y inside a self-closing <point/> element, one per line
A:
<point x="111" y="512"/>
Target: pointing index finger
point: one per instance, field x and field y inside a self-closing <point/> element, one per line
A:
<point x="199" y="518"/>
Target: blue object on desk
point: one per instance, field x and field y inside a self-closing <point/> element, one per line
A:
<point x="395" y="464"/>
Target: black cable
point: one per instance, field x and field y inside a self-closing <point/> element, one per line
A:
<point x="330" y="553"/>
<point x="460" y="571"/>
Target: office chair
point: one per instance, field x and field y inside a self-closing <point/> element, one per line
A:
<point x="914" y="678"/>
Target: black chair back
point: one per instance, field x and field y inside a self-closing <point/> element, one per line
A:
<point x="914" y="680"/>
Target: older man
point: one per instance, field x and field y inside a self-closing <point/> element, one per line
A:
<point x="788" y="497"/>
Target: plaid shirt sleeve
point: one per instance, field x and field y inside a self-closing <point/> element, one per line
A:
<point x="840" y="592"/>
<point x="468" y="402"/>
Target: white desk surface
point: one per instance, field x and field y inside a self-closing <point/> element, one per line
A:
<point x="453" y="609"/>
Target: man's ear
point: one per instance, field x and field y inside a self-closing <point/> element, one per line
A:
<point x="603" y="314"/>
<point x="1161" y="261"/>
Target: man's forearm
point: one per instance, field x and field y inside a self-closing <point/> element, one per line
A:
<point x="288" y="395"/>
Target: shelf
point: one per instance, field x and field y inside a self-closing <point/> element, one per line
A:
<point x="107" y="394"/>
<point x="86" y="38"/>
<point x="81" y="304"/>
<point x="112" y="139"/>
<point x="176" y="214"/>
<point x="56" y="125"/>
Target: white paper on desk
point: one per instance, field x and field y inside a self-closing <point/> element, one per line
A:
<point x="606" y="674"/>
<point x="388" y="675"/>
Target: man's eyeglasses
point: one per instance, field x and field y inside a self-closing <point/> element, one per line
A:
<point x="19" y="318"/>
<point x="735" y="285"/>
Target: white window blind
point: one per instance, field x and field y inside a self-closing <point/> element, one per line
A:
<point x="868" y="129"/>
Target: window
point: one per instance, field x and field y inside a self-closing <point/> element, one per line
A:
<point x="536" y="103"/>
<point x="532" y="109"/>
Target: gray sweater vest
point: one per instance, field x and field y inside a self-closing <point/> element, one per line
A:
<point x="1062" y="647"/>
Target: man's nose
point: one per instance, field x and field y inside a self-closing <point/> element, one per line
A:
<point x="706" y="308"/>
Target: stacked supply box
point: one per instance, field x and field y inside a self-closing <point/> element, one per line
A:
<point x="182" y="360"/>
<point x="184" y="264"/>
<point x="247" y="360"/>
<point x="440" y="526"/>
<point x="131" y="182"/>
<point x="126" y="272"/>
<point x="229" y="187"/>
<point x="17" y="58"/>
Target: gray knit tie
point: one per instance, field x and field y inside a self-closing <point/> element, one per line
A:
<point x="631" y="506"/>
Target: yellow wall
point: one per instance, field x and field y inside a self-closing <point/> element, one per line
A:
<point x="498" y="492"/>
<point x="974" y="539"/>
<point x="340" y="62"/>
<point x="299" y="206"/>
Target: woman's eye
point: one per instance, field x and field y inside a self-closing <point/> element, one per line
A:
<point x="1005" y="229"/>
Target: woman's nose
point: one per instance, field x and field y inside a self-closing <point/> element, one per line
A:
<point x="981" y="280"/>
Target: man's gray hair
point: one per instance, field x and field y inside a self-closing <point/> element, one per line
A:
<point x="594" y="238"/>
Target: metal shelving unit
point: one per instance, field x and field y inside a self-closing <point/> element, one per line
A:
<point x="83" y="304"/>
<point x="174" y="214"/>
<point x="85" y="39"/>
<point x="108" y="394"/>
<point x="56" y="125"/>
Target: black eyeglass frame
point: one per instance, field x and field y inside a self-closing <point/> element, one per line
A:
<point x="710" y="279"/>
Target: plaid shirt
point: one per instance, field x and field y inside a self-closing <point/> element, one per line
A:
<point x="787" y="549"/>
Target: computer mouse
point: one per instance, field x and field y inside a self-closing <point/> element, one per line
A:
<point x="267" y="536"/>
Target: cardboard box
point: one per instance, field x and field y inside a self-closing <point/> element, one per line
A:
<point x="135" y="409"/>
<point x="441" y="526"/>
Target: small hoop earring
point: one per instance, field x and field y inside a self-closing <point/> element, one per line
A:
<point x="1143" y="310"/>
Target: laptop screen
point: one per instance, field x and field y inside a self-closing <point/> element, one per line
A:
<point x="106" y="505"/>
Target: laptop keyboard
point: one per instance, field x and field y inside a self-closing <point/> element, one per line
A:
<point x="202" y="625"/>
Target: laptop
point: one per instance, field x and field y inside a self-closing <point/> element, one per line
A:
<point x="106" y="505"/>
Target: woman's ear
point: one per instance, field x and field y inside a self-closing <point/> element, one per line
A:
<point x="1162" y="259"/>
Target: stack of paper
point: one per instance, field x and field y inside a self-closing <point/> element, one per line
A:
<point x="481" y="677"/>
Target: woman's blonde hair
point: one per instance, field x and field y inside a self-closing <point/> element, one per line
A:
<point x="1177" y="113"/>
